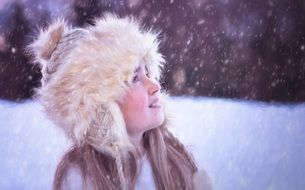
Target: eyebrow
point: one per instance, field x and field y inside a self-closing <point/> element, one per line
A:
<point x="137" y="69"/>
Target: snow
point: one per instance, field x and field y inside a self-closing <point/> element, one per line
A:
<point x="241" y="144"/>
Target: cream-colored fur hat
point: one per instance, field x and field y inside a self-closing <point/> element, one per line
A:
<point x="84" y="73"/>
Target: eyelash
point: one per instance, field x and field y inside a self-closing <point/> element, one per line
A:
<point x="135" y="79"/>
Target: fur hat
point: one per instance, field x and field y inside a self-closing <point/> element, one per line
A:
<point x="84" y="73"/>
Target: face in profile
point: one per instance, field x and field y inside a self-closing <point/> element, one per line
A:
<point x="141" y="106"/>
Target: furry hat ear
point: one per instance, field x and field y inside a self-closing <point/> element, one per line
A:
<point x="45" y="46"/>
<point x="46" y="43"/>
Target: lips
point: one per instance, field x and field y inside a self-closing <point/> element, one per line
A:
<point x="155" y="104"/>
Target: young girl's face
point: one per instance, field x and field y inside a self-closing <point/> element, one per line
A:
<point x="141" y="106"/>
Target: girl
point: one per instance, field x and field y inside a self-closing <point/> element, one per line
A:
<point x="100" y="84"/>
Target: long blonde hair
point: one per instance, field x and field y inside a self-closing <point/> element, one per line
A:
<point x="172" y="165"/>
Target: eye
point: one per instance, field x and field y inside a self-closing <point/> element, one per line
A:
<point x="135" y="79"/>
<point x="148" y="74"/>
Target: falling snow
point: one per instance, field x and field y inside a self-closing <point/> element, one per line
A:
<point x="250" y="50"/>
<point x="234" y="42"/>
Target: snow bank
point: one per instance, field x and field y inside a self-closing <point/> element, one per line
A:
<point x="242" y="145"/>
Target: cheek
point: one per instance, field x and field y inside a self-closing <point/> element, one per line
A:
<point x="134" y="109"/>
<point x="137" y="102"/>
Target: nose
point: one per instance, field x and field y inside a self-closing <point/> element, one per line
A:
<point x="153" y="86"/>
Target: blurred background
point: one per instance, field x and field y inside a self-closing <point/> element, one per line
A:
<point x="235" y="70"/>
<point x="253" y="50"/>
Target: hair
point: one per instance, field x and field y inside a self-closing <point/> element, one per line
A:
<point x="172" y="165"/>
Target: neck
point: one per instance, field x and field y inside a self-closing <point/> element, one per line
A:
<point x="137" y="141"/>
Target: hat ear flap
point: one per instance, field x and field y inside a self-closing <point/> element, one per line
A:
<point x="107" y="132"/>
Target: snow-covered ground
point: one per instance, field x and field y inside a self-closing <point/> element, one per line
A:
<point x="241" y="145"/>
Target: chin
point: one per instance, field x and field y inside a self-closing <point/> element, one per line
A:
<point x="160" y="121"/>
